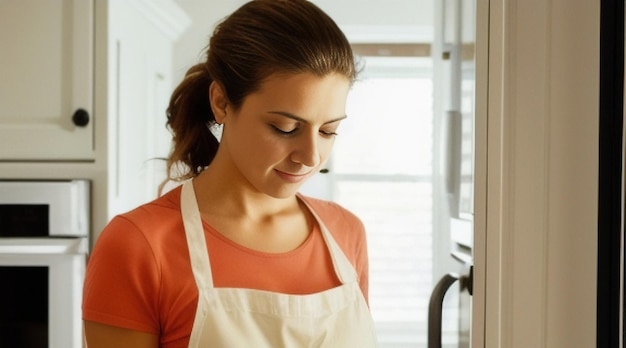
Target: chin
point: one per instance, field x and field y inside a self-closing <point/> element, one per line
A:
<point x="284" y="192"/>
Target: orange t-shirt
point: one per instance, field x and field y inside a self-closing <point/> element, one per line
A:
<point x="139" y="274"/>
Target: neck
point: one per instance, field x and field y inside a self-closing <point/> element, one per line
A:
<point x="247" y="216"/>
<point x="223" y="193"/>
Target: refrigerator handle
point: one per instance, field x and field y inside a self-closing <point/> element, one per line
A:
<point x="435" y="308"/>
<point x="453" y="149"/>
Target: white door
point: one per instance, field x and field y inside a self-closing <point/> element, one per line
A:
<point x="46" y="84"/>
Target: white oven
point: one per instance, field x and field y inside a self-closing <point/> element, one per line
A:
<point x="44" y="229"/>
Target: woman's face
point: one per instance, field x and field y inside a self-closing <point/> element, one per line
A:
<point x="284" y="132"/>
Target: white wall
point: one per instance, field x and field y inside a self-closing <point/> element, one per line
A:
<point x="190" y="47"/>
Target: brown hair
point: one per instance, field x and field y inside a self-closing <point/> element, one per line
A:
<point x="261" y="38"/>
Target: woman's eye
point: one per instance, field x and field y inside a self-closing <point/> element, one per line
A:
<point x="284" y="131"/>
<point x="328" y="133"/>
<point x="290" y="131"/>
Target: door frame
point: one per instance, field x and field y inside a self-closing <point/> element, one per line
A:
<point x="541" y="193"/>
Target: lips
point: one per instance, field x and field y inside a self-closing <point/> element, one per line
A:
<point x="291" y="177"/>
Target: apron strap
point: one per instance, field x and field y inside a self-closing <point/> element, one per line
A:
<point x="343" y="268"/>
<point x="194" y="232"/>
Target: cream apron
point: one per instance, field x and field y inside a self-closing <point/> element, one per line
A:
<point x="234" y="318"/>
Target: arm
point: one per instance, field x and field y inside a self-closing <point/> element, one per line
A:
<point x="104" y="336"/>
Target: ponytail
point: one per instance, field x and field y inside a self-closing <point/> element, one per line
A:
<point x="190" y="118"/>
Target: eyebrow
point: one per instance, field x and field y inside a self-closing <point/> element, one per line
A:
<point x="300" y="119"/>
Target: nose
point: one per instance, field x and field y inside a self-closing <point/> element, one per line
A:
<point x="306" y="151"/>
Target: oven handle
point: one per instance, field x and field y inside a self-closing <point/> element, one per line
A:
<point x="46" y="246"/>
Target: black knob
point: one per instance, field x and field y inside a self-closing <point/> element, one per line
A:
<point x="80" y="118"/>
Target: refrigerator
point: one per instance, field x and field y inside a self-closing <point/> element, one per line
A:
<point x="459" y="105"/>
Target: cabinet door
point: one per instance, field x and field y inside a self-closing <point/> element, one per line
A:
<point x="46" y="70"/>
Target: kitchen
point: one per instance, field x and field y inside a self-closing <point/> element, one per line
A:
<point x="536" y="217"/>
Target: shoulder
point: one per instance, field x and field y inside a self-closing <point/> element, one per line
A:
<point x="348" y="231"/>
<point x="147" y="229"/>
<point x="141" y="260"/>
<point x="330" y="209"/>
<point x="342" y="222"/>
<point x="157" y="213"/>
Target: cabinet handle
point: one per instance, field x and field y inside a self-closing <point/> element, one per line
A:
<point x="80" y="118"/>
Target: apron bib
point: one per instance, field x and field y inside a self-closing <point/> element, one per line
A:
<point x="233" y="318"/>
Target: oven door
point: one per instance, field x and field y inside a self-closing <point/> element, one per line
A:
<point x="41" y="291"/>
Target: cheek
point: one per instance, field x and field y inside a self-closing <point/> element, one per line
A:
<point x="262" y="149"/>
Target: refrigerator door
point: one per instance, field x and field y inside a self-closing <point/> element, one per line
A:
<point x="454" y="59"/>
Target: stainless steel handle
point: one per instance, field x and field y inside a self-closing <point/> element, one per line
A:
<point x="435" y="308"/>
<point x="454" y="132"/>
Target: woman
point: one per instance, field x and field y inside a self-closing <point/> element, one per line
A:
<point x="235" y="257"/>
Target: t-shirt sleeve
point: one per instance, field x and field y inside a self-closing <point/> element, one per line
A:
<point x="122" y="283"/>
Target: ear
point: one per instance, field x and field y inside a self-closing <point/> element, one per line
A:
<point x="219" y="101"/>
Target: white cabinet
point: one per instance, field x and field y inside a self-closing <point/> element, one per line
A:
<point x="112" y="58"/>
<point x="46" y="75"/>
